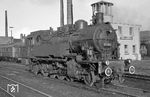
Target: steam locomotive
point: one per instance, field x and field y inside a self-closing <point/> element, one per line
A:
<point x="77" y="52"/>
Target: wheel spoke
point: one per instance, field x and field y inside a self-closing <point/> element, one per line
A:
<point x="89" y="79"/>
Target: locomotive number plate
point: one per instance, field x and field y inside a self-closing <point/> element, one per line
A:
<point x="107" y="44"/>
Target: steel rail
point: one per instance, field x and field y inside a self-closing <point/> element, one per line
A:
<point x="45" y="94"/>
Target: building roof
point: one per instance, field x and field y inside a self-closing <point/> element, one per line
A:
<point x="17" y="40"/>
<point x="17" y="44"/>
<point x="5" y="40"/>
<point x="102" y="2"/>
<point x="9" y="42"/>
<point x="119" y="23"/>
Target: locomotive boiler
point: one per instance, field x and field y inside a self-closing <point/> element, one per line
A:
<point x="76" y="51"/>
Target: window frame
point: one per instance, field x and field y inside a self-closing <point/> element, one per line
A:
<point x="120" y="30"/>
<point x="126" y="50"/>
<point x="134" y="49"/>
<point x="131" y="31"/>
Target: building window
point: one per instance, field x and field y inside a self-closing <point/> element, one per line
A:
<point x="33" y="41"/>
<point x="106" y="9"/>
<point x="120" y="29"/>
<point x="126" y="50"/>
<point x="134" y="49"/>
<point x="30" y="41"/>
<point x="131" y="30"/>
<point x="38" y="39"/>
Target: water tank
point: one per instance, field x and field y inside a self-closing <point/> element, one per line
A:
<point x="81" y="24"/>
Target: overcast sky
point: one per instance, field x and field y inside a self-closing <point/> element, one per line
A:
<point x="31" y="15"/>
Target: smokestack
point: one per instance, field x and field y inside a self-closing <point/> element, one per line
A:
<point x="61" y="13"/>
<point x="100" y="17"/>
<point x="6" y="24"/>
<point x="69" y="12"/>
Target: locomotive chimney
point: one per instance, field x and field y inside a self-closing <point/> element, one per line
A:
<point x="99" y="18"/>
<point x="69" y="12"/>
<point x="6" y="24"/>
<point x="61" y="13"/>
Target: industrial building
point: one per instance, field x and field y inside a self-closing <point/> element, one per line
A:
<point x="8" y="43"/>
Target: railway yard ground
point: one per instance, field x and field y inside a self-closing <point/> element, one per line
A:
<point x="39" y="86"/>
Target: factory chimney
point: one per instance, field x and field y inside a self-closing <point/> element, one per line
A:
<point x="6" y="24"/>
<point x="69" y="12"/>
<point x="61" y="13"/>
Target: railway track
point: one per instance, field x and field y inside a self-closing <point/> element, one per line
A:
<point x="73" y="84"/>
<point x="112" y="89"/>
<point x="32" y="90"/>
<point x="137" y="76"/>
<point x="121" y="90"/>
<point x="5" y="93"/>
<point x="81" y="86"/>
<point x="131" y="91"/>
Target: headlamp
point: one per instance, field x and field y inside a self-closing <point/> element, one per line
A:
<point x="107" y="62"/>
<point x="131" y="69"/>
<point x="108" y="71"/>
<point x="129" y="61"/>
